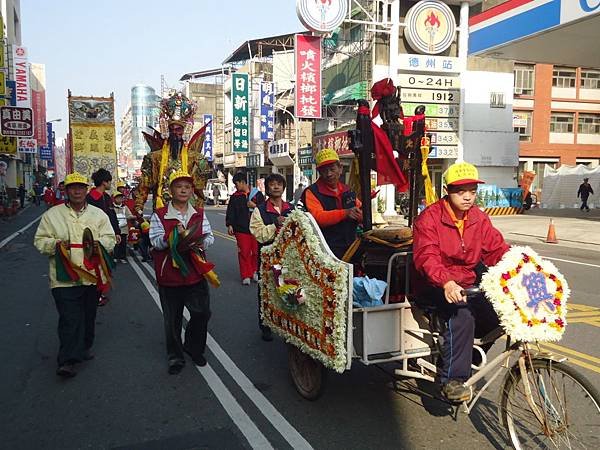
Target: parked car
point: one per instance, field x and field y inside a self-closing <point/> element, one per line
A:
<point x="223" y="194"/>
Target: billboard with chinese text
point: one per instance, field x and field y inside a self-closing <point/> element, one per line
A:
<point x="241" y="112"/>
<point x="308" y="77"/>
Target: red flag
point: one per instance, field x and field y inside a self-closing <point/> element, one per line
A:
<point x="388" y="171"/>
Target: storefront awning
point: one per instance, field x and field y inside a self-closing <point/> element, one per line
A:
<point x="353" y="92"/>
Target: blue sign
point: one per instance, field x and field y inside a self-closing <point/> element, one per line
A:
<point x="11" y="87"/>
<point x="207" y="148"/>
<point x="46" y="151"/>
<point x="267" y="104"/>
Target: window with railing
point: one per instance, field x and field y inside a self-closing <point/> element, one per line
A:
<point x="522" y="125"/>
<point x="588" y="124"/>
<point x="561" y="122"/>
<point x="590" y="79"/>
<point x="564" y="77"/>
<point x="524" y="79"/>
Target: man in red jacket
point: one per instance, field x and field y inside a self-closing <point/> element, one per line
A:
<point x="453" y="243"/>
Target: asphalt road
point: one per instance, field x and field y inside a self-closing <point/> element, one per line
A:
<point x="243" y="398"/>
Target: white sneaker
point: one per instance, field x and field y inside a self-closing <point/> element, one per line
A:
<point x="255" y="277"/>
<point x="246" y="281"/>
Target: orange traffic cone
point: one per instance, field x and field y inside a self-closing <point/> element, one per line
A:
<point x="551" y="238"/>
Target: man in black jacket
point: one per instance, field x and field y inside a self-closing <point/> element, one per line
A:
<point x="237" y="219"/>
<point x="585" y="189"/>
<point x="101" y="199"/>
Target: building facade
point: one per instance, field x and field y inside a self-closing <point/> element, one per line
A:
<point x="557" y="116"/>
<point x="144" y="114"/>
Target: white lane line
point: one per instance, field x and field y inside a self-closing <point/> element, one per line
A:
<point x="221" y="214"/>
<point x="289" y="433"/>
<point x="572" y="262"/>
<point x="19" y="232"/>
<point x="248" y="428"/>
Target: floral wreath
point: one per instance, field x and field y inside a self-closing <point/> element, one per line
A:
<point x="304" y="292"/>
<point x="529" y="295"/>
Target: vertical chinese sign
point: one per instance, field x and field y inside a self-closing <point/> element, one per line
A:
<point x="47" y="151"/>
<point x="92" y="132"/>
<point x="241" y="112"/>
<point x="308" y="76"/>
<point x="207" y="147"/>
<point x="267" y="104"/>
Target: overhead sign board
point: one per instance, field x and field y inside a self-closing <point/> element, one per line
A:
<point x="27" y="145"/>
<point x="207" y="145"/>
<point x="441" y="124"/>
<point x="443" y="151"/>
<point x="241" y="112"/>
<point x="429" y="63"/>
<point x="16" y="121"/>
<point x="430" y="27"/>
<point x="308" y="77"/>
<point x="444" y="138"/>
<point x="321" y="16"/>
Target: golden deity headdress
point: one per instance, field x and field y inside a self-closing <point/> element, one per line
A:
<point x="177" y="109"/>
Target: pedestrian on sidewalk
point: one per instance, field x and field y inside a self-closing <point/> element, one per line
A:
<point x="265" y="223"/>
<point x="123" y="214"/>
<point x="584" y="191"/>
<point x="22" y="193"/>
<point x="180" y="234"/>
<point x="237" y="220"/>
<point x="60" y="196"/>
<point x="74" y="285"/>
<point x="216" y="191"/>
<point x="49" y="196"/>
<point x="98" y="197"/>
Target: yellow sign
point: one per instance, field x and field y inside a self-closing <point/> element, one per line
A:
<point x="8" y="145"/>
<point x="2" y="61"/>
<point x="2" y="83"/>
<point x="94" y="146"/>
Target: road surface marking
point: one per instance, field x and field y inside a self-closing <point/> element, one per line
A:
<point x="248" y="428"/>
<point x="580" y="307"/>
<point x="19" y="232"/>
<point x="221" y="214"/>
<point x="287" y="431"/>
<point x="572" y="262"/>
<point x="223" y="235"/>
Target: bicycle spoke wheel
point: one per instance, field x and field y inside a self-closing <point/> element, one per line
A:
<point x="563" y="411"/>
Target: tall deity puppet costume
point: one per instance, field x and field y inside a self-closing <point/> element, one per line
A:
<point x="173" y="150"/>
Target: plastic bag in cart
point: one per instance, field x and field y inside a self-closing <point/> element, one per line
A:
<point x="367" y="291"/>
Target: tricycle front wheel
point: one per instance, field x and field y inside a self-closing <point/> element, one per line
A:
<point x="307" y="374"/>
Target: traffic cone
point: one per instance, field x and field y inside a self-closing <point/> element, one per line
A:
<point x="551" y="238"/>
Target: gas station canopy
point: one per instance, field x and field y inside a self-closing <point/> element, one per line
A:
<point x="564" y="32"/>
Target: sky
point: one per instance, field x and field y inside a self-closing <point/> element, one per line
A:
<point x="99" y="47"/>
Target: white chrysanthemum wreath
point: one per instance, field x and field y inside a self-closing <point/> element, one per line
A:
<point x="529" y="295"/>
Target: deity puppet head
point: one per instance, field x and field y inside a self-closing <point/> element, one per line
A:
<point x="176" y="117"/>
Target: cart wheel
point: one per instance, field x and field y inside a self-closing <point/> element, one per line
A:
<point x="307" y="374"/>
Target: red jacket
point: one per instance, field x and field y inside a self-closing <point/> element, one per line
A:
<point x="441" y="254"/>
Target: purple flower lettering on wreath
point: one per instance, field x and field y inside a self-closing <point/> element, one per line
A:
<point x="535" y="283"/>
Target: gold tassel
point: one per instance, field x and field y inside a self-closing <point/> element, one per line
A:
<point x="164" y="161"/>
<point x="430" y="196"/>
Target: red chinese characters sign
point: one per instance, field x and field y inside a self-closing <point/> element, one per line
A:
<point x="308" y="76"/>
<point x="336" y="141"/>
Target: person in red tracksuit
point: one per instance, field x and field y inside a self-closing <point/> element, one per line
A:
<point x="237" y="219"/>
<point x="454" y="241"/>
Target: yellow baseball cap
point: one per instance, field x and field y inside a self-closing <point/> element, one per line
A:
<point x="76" y="178"/>
<point x="120" y="184"/>
<point x="461" y="173"/>
<point x="179" y="174"/>
<point x="116" y="194"/>
<point x="326" y="156"/>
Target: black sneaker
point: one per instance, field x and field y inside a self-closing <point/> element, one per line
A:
<point x="175" y="368"/>
<point x="88" y="355"/>
<point x="456" y="391"/>
<point x="199" y="360"/>
<point x="67" y="370"/>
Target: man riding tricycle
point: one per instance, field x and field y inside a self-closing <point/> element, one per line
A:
<point x="432" y="297"/>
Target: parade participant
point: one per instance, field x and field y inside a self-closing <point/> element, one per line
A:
<point x="75" y="275"/>
<point x="237" y="221"/>
<point x="127" y="195"/>
<point x="123" y="216"/>
<point x="453" y="243"/>
<point x="179" y="234"/>
<point x="265" y="221"/>
<point x="49" y="196"/>
<point x="99" y="197"/>
<point x="584" y="191"/>
<point x="333" y="205"/>
<point x="60" y="196"/>
<point x="172" y="150"/>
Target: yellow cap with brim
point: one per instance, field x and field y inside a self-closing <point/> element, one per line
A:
<point x="120" y="184"/>
<point x="117" y="194"/>
<point x="326" y="156"/>
<point x="461" y="173"/>
<point x="76" y="178"/>
<point x="179" y="175"/>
